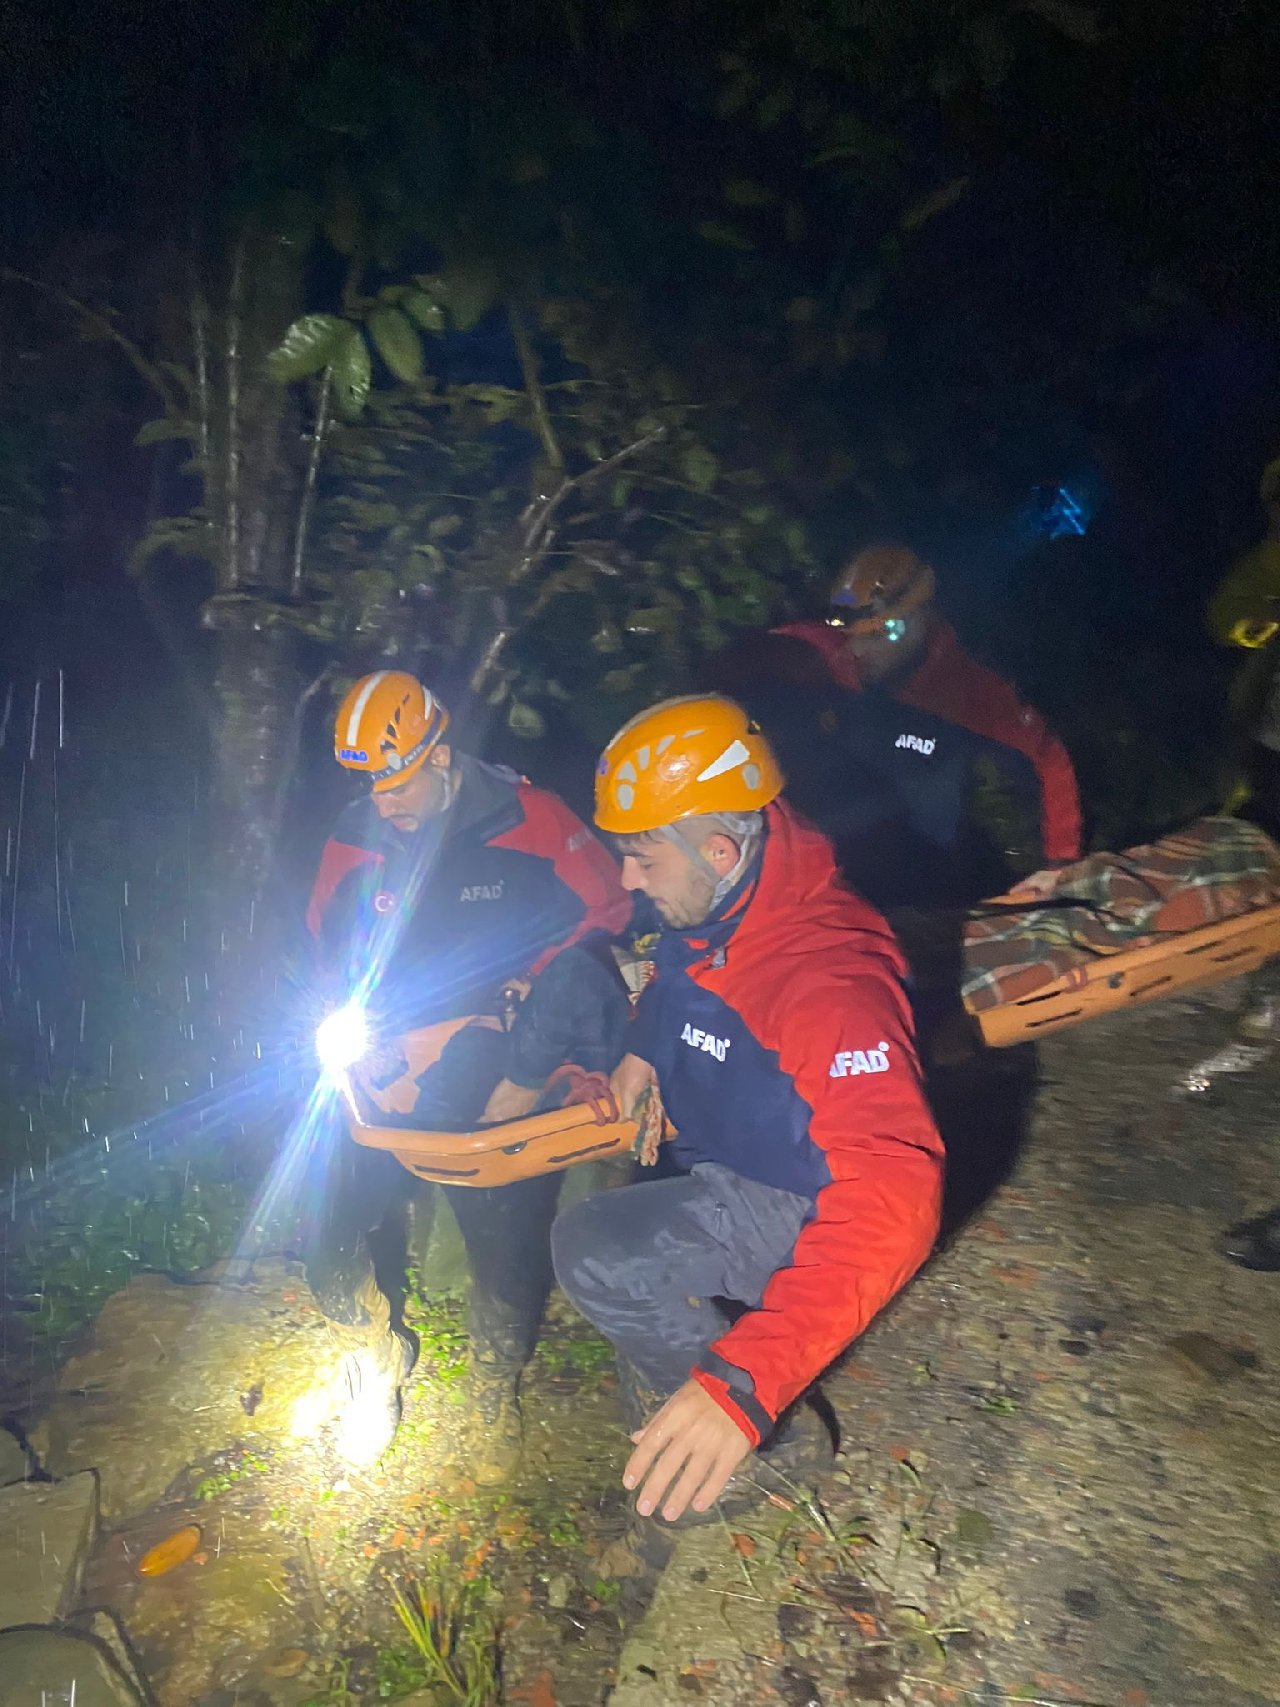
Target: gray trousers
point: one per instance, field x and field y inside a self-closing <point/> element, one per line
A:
<point x="657" y="1267"/>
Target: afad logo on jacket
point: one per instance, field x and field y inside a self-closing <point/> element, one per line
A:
<point x="917" y="743"/>
<point x="717" y="1046"/>
<point x="849" y="1062"/>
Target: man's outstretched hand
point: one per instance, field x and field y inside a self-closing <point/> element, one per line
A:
<point x="684" y="1454"/>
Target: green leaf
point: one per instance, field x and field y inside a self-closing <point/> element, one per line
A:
<point x="941" y="199"/>
<point x="161" y="431"/>
<point x="621" y="681"/>
<point x="185" y="536"/>
<point x="773" y="108"/>
<point x="737" y="92"/>
<point x="654" y="619"/>
<point x="606" y="639"/>
<point x="501" y="401"/>
<point x="310" y="344"/>
<point x="746" y="192"/>
<point x="424" y="310"/>
<point x="397" y="343"/>
<point x="352" y="373"/>
<point x="471" y="292"/>
<point x="727" y="236"/>
<point x="180" y="375"/>
<point x="524" y="721"/>
<point x="700" y="468"/>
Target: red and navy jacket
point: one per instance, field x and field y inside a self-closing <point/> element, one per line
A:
<point x="491" y="889"/>
<point x="782" y="1040"/>
<point x="948" y="683"/>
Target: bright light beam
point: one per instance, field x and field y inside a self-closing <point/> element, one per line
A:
<point x="342" y="1039"/>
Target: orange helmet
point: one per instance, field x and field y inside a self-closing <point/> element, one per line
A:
<point x="680" y="759"/>
<point x="881" y="584"/>
<point x="386" y="726"/>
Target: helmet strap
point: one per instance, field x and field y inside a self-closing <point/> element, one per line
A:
<point x="452" y="782"/>
<point x="745" y="829"/>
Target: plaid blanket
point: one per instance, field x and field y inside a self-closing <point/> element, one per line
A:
<point x="1214" y="869"/>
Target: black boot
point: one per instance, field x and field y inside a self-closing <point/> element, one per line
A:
<point x="639" y="1400"/>
<point x="495" y="1434"/>
<point x="1255" y="1243"/>
<point x="375" y="1360"/>
<point x="799" y="1452"/>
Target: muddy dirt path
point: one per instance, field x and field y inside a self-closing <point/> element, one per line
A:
<point x="1061" y="1474"/>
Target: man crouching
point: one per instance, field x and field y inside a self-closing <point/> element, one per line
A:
<point x="777" y="1035"/>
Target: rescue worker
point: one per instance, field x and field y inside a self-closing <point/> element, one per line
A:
<point x="1245" y="612"/>
<point x="777" y="1037"/>
<point x="452" y="887"/>
<point x="890" y="732"/>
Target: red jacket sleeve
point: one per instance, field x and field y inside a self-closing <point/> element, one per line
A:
<point x="1060" y="826"/>
<point x="873" y="1225"/>
<point x="336" y="862"/>
<point x="1021" y="727"/>
<point x="551" y="831"/>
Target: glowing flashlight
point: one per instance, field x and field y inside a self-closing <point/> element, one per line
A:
<point x="342" y="1039"/>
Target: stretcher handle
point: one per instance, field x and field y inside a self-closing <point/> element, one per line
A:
<point x="449" y="1146"/>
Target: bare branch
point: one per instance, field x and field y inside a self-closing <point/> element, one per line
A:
<point x="533" y="386"/>
<point x="534" y="547"/>
<point x="537" y="542"/>
<point x="105" y="328"/>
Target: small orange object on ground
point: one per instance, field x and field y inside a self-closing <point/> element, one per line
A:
<point x="174" y="1550"/>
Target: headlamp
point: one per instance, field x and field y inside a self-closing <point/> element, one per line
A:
<point x="342" y="1039"/>
<point x="866" y="621"/>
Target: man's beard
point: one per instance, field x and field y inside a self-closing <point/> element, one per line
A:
<point x="693" y="906"/>
<point x="439" y="797"/>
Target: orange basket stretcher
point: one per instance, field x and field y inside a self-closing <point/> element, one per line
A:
<point x="565" y="1137"/>
<point x="493" y="1155"/>
<point x="1186" y="960"/>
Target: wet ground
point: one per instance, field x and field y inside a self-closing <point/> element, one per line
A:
<point x="1061" y="1470"/>
<point x="1060" y="1479"/>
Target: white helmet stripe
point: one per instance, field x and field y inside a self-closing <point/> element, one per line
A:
<point x="735" y="753"/>
<point x="357" y="710"/>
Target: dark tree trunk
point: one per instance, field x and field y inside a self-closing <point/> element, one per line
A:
<point x="256" y="686"/>
<point x="255" y="473"/>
